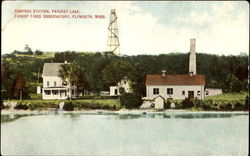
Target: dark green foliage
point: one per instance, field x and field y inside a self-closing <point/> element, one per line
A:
<point x="130" y="101"/>
<point x="205" y="106"/>
<point x="167" y="104"/>
<point x="64" y="56"/>
<point x="198" y="103"/>
<point x="38" y="52"/>
<point x="122" y="90"/>
<point x="68" y="106"/>
<point x="187" y="103"/>
<point x="2" y="105"/>
<point x="236" y="85"/>
<point x="37" y="106"/>
<point x="19" y="87"/>
<point x="226" y="107"/>
<point x="239" y="107"/>
<point x="246" y="104"/>
<point x="20" y="106"/>
<point x="100" y="70"/>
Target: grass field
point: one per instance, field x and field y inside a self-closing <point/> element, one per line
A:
<point x="228" y="96"/>
<point x="44" y="55"/>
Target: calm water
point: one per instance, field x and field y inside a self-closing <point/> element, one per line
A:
<point x="173" y="134"/>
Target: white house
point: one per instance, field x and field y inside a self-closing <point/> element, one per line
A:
<point x="177" y="86"/>
<point x="124" y="83"/>
<point x="54" y="87"/>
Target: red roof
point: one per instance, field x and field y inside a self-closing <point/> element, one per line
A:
<point x="175" y="80"/>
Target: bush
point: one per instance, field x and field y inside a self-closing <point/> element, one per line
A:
<point x="36" y="106"/>
<point x="206" y="105"/>
<point x="20" y="106"/>
<point x="167" y="105"/>
<point x="129" y="100"/>
<point x="239" y="107"/>
<point x="68" y="106"/>
<point x="198" y="103"/>
<point x="187" y="103"/>
<point x="226" y="107"/>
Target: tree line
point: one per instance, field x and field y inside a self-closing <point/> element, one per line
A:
<point x="100" y="70"/>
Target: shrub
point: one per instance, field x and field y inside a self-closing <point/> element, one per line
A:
<point x="36" y="106"/>
<point x="177" y="105"/>
<point x="198" y="103"/>
<point x="52" y="105"/>
<point x="226" y="107"/>
<point x="129" y="100"/>
<point x="187" y="103"/>
<point x="121" y="90"/>
<point x="167" y="105"/>
<point x="68" y="106"/>
<point x="21" y="106"/>
<point x="239" y="107"/>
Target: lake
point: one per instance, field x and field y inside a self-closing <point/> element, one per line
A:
<point x="100" y="133"/>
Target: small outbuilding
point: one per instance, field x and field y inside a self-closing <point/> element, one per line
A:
<point x="159" y="102"/>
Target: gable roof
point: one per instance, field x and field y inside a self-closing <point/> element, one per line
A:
<point x="51" y="69"/>
<point x="175" y="80"/>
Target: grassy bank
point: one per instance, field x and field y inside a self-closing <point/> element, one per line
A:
<point x="222" y="102"/>
<point x="36" y="104"/>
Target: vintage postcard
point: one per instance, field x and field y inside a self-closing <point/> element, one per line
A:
<point x="123" y="78"/>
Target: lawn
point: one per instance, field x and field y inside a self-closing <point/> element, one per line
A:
<point x="228" y="96"/>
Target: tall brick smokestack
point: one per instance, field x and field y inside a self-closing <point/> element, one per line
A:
<point x="192" y="58"/>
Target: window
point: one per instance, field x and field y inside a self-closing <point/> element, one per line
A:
<point x="207" y="93"/>
<point x="155" y="90"/>
<point x="47" y="83"/>
<point x="169" y="90"/>
<point x="183" y="92"/>
<point x="47" y="92"/>
<point x="54" y="92"/>
<point x="64" y="83"/>
<point x="54" y="83"/>
<point x="198" y="93"/>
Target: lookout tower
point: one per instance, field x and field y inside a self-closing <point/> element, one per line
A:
<point x="113" y="39"/>
<point x="192" y="58"/>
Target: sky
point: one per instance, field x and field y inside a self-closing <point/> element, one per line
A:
<point x="149" y="27"/>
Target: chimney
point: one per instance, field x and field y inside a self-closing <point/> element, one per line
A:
<point x="192" y="58"/>
<point x="163" y="73"/>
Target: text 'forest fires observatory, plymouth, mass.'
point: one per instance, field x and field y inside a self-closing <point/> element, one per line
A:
<point x="45" y="13"/>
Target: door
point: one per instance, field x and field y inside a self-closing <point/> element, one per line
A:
<point x="190" y="94"/>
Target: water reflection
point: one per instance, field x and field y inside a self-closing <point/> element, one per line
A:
<point x="115" y="115"/>
<point x="12" y="117"/>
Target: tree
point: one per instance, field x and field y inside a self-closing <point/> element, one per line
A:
<point x="116" y="71"/>
<point x="129" y="100"/>
<point x="69" y="72"/>
<point x="81" y="81"/>
<point x="28" y="50"/>
<point x="6" y="80"/>
<point x="19" y="86"/>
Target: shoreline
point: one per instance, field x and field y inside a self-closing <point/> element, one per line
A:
<point x="120" y="112"/>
